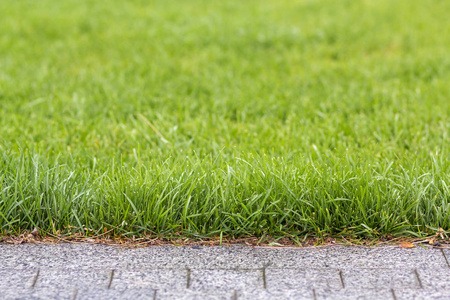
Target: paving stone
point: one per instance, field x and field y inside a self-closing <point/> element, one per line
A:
<point x="196" y="257"/>
<point x="46" y="256"/>
<point x="149" y="279"/>
<point x="225" y="279"/>
<point x="421" y="294"/>
<point x="340" y="257"/>
<point x="223" y="257"/>
<point x="379" y="278"/>
<point x="17" y="278"/>
<point x="349" y="294"/>
<point x="195" y="295"/>
<point x="76" y="279"/>
<point x="261" y="294"/>
<point x="164" y="257"/>
<point x="303" y="278"/>
<point x="436" y="278"/>
<point x="36" y="294"/>
<point x="290" y="257"/>
<point x="221" y="272"/>
<point x="89" y="256"/>
<point x="351" y="257"/>
<point x="100" y="294"/>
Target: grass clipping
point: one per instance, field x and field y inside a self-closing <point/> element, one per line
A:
<point x="440" y="240"/>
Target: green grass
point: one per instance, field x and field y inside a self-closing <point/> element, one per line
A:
<point x="235" y="118"/>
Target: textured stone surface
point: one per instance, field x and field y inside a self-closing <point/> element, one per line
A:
<point x="341" y="257"/>
<point x="348" y="257"/>
<point x="164" y="257"/>
<point x="436" y="278"/>
<point x="421" y="294"/>
<point x="380" y="278"/>
<point x="195" y="295"/>
<point x="77" y="256"/>
<point x="17" y="278"/>
<point x="196" y="257"/>
<point x="82" y="271"/>
<point x="232" y="257"/>
<point x="369" y="294"/>
<point x="293" y="257"/>
<point x="149" y="279"/>
<point x="36" y="294"/>
<point x="287" y="294"/>
<point x="303" y="278"/>
<point x="73" y="279"/>
<point x="105" y="294"/>
<point x="225" y="279"/>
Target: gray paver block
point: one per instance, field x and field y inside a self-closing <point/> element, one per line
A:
<point x="36" y="294"/>
<point x="380" y="279"/>
<point x="73" y="279"/>
<point x="369" y="294"/>
<point x="340" y="257"/>
<point x="14" y="278"/>
<point x="42" y="256"/>
<point x="220" y="272"/>
<point x="224" y="257"/>
<point x="233" y="257"/>
<point x="150" y="279"/>
<point x="421" y="294"/>
<point x="292" y="257"/>
<point x="384" y="257"/>
<point x="164" y="257"/>
<point x="96" y="256"/>
<point x="194" y="295"/>
<point x="261" y="294"/>
<point x="436" y="278"/>
<point x="225" y="279"/>
<point x="303" y="278"/>
<point x="100" y="294"/>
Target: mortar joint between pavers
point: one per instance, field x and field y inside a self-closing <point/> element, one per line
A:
<point x="418" y="278"/>
<point x="75" y="294"/>
<point x="393" y="294"/>
<point x="35" y="279"/>
<point x="341" y="276"/>
<point x="111" y="276"/>
<point x="445" y="257"/>
<point x="188" y="277"/>
<point x="264" y="278"/>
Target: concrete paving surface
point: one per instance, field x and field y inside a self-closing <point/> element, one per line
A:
<point x="87" y="271"/>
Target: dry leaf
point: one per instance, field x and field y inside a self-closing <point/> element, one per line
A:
<point x="431" y="241"/>
<point x="330" y="240"/>
<point x="441" y="233"/>
<point x="406" y="245"/>
<point x="35" y="232"/>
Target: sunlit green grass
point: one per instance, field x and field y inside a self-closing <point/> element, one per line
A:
<point x="208" y="118"/>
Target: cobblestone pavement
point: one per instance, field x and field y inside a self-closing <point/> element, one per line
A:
<point x="83" y="271"/>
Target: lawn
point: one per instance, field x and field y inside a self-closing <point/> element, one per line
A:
<point x="225" y="118"/>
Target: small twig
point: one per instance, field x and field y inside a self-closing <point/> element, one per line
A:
<point x="155" y="130"/>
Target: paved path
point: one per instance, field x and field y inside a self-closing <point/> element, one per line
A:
<point x="82" y="271"/>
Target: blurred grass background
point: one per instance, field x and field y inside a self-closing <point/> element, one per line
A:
<point x="279" y="117"/>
